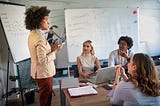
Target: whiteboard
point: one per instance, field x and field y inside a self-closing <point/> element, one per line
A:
<point x="149" y="36"/>
<point x="12" y="19"/>
<point x="103" y="26"/>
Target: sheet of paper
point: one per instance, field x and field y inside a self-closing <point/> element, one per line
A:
<point x="85" y="90"/>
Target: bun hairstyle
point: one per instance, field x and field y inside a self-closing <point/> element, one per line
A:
<point x="92" y="49"/>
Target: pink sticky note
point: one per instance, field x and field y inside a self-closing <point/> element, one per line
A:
<point x="134" y="12"/>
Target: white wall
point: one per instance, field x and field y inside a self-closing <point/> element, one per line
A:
<point x="149" y="31"/>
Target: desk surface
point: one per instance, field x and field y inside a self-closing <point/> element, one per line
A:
<point x="101" y="99"/>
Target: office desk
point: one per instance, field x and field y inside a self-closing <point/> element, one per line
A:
<point x="101" y="99"/>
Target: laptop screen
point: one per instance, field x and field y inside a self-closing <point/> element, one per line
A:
<point x="103" y="75"/>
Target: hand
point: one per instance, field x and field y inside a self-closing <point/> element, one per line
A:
<point x="56" y="46"/>
<point x="114" y="86"/>
<point x="123" y="54"/>
<point x="96" y="72"/>
<point x="120" y="71"/>
<point x="86" y="75"/>
<point x="118" y="68"/>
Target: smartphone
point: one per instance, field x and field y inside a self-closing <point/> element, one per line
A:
<point x="107" y="87"/>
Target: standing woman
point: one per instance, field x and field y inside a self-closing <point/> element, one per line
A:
<point x="42" y="54"/>
<point x="142" y="88"/>
<point x="86" y="62"/>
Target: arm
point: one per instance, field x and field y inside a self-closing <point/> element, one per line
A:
<point x="97" y="63"/>
<point x="120" y="73"/>
<point x="117" y="98"/>
<point x="111" y="61"/>
<point x="45" y="53"/>
<point x="123" y="74"/>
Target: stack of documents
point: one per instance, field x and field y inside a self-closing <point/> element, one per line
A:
<point x="80" y="91"/>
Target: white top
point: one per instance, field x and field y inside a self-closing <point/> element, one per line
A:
<point x="88" y="62"/>
<point x="126" y="95"/>
<point x="114" y="58"/>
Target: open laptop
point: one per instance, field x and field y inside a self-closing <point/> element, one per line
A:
<point x="69" y="83"/>
<point x="103" y="75"/>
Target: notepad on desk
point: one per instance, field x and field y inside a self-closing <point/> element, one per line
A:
<point x="81" y="91"/>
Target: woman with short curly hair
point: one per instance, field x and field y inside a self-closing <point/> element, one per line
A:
<point x="42" y="54"/>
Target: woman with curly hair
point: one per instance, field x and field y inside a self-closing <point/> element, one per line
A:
<point x="142" y="88"/>
<point x="121" y="55"/>
<point x="42" y="54"/>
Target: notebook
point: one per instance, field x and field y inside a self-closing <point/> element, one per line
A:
<point x="103" y="75"/>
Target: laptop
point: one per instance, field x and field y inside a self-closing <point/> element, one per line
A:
<point x="69" y="83"/>
<point x="103" y="75"/>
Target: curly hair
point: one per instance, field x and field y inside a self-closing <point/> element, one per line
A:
<point x="92" y="49"/>
<point x="127" y="39"/>
<point x="34" y="15"/>
<point x="145" y="76"/>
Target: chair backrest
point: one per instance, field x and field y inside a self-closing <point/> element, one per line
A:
<point x="75" y="68"/>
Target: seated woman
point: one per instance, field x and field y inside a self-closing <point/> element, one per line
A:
<point x="86" y="62"/>
<point x="142" y="88"/>
<point x="122" y="55"/>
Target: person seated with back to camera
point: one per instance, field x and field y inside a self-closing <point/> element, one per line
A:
<point x="122" y="55"/>
<point x="86" y="62"/>
<point x="142" y="88"/>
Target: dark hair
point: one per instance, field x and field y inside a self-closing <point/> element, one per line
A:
<point x="145" y="77"/>
<point x="127" y="39"/>
<point x="34" y="15"/>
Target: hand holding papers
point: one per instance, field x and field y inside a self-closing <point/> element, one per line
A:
<point x="80" y="91"/>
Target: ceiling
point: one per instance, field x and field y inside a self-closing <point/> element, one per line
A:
<point x="89" y="3"/>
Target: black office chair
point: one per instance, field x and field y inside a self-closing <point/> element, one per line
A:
<point x="75" y="68"/>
